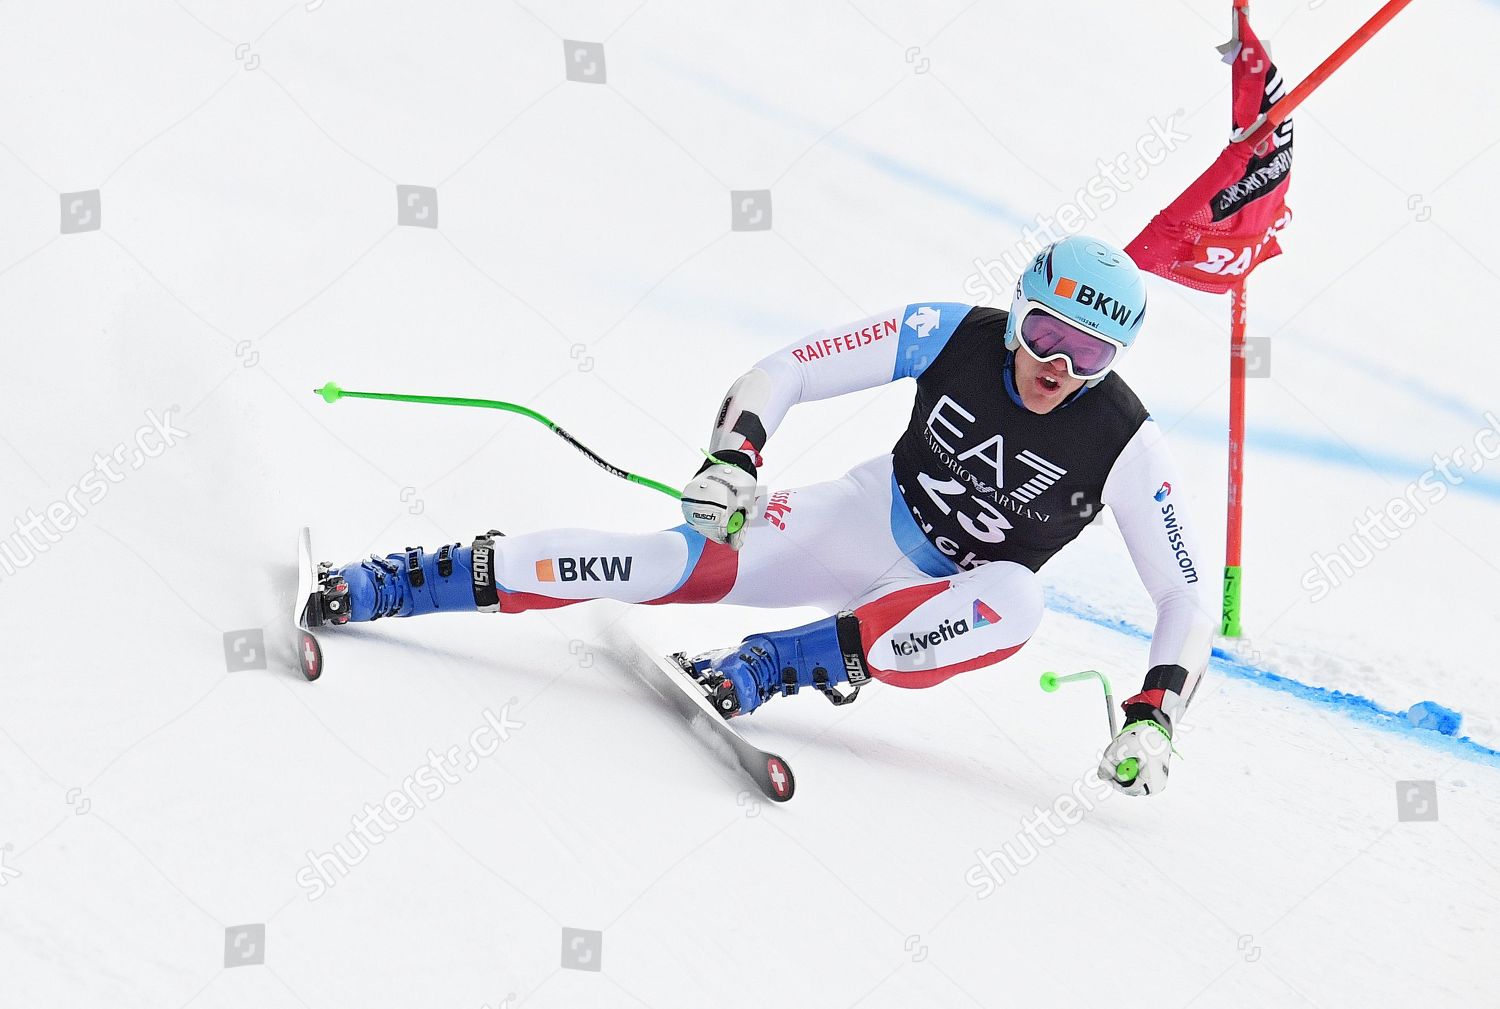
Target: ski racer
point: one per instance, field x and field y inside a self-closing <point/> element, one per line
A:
<point x="924" y="558"/>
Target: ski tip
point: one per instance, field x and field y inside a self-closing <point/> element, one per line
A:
<point x="309" y="655"/>
<point x="330" y="392"/>
<point x="779" y="783"/>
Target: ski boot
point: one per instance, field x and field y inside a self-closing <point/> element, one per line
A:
<point x="823" y="655"/>
<point x="407" y="584"/>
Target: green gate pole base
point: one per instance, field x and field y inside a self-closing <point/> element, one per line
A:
<point x="1231" y="615"/>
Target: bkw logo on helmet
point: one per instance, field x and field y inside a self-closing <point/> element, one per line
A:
<point x="1102" y="303"/>
<point x="1086" y="284"/>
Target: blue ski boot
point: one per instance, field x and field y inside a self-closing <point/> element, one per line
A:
<point x="455" y="579"/>
<point x="823" y="655"/>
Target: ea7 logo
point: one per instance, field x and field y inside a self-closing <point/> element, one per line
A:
<point x="584" y="569"/>
<point x="945" y="427"/>
<point x="1097" y="300"/>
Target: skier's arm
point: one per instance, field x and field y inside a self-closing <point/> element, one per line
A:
<point x="897" y="344"/>
<point x="873" y="351"/>
<point x="1169" y="554"/>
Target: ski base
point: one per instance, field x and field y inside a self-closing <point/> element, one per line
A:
<point x="306" y="648"/>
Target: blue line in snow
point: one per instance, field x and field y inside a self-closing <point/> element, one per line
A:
<point x="1401" y="380"/>
<point x="1355" y="706"/>
<point x="909" y="172"/>
<point x="1303" y="446"/>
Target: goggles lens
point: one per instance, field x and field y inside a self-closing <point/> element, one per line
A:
<point x="1045" y="335"/>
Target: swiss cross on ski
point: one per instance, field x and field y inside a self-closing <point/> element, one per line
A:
<point x="777" y="773"/>
<point x="311" y="659"/>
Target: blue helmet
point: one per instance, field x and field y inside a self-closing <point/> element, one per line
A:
<point x="1090" y="283"/>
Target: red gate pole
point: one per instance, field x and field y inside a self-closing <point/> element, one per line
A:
<point x="1234" y="522"/>
<point x="1312" y="81"/>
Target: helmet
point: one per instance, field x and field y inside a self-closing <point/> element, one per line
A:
<point x="1081" y="299"/>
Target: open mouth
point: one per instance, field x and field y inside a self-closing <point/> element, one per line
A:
<point x="1048" y="383"/>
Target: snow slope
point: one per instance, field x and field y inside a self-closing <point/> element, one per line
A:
<point x="153" y="802"/>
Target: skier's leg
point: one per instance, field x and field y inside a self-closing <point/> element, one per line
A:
<point x="854" y="537"/>
<point x="920" y="634"/>
<point x="539" y="570"/>
<point x="914" y="620"/>
<point x="558" y="567"/>
<point x="820" y="545"/>
<point x="916" y="635"/>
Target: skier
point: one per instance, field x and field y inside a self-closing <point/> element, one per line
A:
<point x="925" y="558"/>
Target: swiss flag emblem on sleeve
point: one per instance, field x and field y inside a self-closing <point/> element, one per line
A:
<point x="1225" y="224"/>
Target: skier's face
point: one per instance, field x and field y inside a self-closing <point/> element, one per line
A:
<point x="1043" y="385"/>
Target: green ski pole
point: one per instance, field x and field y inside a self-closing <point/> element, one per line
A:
<point x="332" y="393"/>
<point x="1129" y="767"/>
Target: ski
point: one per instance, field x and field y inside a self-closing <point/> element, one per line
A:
<point x="309" y="653"/>
<point x="668" y="677"/>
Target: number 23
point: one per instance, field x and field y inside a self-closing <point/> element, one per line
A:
<point x="990" y="526"/>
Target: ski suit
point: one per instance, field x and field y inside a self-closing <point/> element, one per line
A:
<point x="934" y="546"/>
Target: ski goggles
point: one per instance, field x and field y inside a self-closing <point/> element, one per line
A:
<point x="1047" y="335"/>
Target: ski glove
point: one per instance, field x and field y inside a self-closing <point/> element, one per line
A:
<point x="1136" y="762"/>
<point x="717" y="502"/>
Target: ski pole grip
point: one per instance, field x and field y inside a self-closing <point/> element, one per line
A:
<point x="1051" y="681"/>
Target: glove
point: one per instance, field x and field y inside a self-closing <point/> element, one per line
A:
<point x="718" y="500"/>
<point x="1136" y="762"/>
